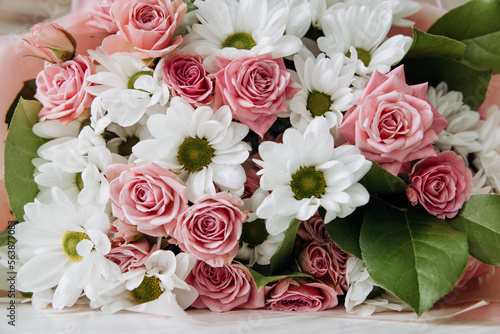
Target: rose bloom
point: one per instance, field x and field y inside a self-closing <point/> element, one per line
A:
<point x="186" y="77"/>
<point x="393" y="123"/>
<point x="314" y="260"/>
<point x="211" y="227"/>
<point x="256" y="88"/>
<point x="441" y="184"/>
<point x="130" y="256"/>
<point x="326" y="262"/>
<point x="314" y="229"/>
<point x="123" y="232"/>
<point x="51" y="42"/>
<point x="100" y="16"/>
<point x="148" y="196"/>
<point x="145" y="27"/>
<point x="474" y="269"/>
<point x="339" y="265"/>
<point x="224" y="288"/>
<point x="61" y="89"/>
<point x="299" y="295"/>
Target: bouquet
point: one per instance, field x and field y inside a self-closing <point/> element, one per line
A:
<point x="287" y="155"/>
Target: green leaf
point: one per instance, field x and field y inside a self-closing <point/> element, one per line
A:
<point x="472" y="83"/>
<point x="4" y="238"/>
<point x="190" y="5"/>
<point x="473" y="19"/>
<point x="380" y="181"/>
<point x="476" y="24"/>
<point x="483" y="52"/>
<point x="415" y="256"/>
<point x="20" y="148"/>
<point x="345" y="233"/>
<point x="479" y="220"/>
<point x="261" y="280"/>
<point x="280" y="261"/>
<point x="27" y="92"/>
<point x="429" y="45"/>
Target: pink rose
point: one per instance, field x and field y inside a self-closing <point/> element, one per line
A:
<point x="326" y="262"/>
<point x="148" y="196"/>
<point x="100" y="16"/>
<point x="339" y="265"/>
<point x="51" y="42"/>
<point x="314" y="260"/>
<point x="256" y="88"/>
<point x="314" y="229"/>
<point x="211" y="227"/>
<point x="61" y="89"/>
<point x="441" y="184"/>
<point x="224" y="288"/>
<point x="130" y="256"/>
<point x="185" y="75"/>
<point x="145" y="27"/>
<point x="393" y="123"/>
<point x="299" y="295"/>
<point x="123" y="232"/>
<point x="474" y="269"/>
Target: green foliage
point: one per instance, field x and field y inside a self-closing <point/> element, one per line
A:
<point x="416" y="257"/>
<point x="380" y="181"/>
<point x="476" y="24"/>
<point x="21" y="147"/>
<point x="261" y="280"/>
<point x="27" y="92"/>
<point x="471" y="82"/>
<point x="428" y="45"/>
<point x="190" y="5"/>
<point x="281" y="260"/>
<point x="479" y="220"/>
<point x="473" y="19"/>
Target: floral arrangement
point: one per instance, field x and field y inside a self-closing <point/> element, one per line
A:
<point x="288" y="155"/>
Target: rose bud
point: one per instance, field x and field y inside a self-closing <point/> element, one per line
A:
<point x="51" y="42"/>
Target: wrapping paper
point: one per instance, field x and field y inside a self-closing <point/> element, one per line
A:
<point x="478" y="300"/>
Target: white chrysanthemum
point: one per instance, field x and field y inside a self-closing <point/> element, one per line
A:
<point x="77" y="166"/>
<point x="325" y="90"/>
<point x="257" y="245"/>
<point x="460" y="135"/>
<point x="125" y="138"/>
<point x="63" y="245"/>
<point x="40" y="299"/>
<point x="298" y="18"/>
<point x="360" y="286"/>
<point x="53" y="128"/>
<point x="233" y="29"/>
<point x="204" y="146"/>
<point x="400" y="9"/>
<point x="480" y="184"/>
<point x="126" y="89"/>
<point x="157" y="288"/>
<point x="359" y="34"/>
<point x="306" y="172"/>
<point x="318" y="9"/>
<point x="488" y="159"/>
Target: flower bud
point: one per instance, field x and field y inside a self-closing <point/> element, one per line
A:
<point x="51" y="42"/>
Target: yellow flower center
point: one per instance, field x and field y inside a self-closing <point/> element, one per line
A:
<point x="69" y="241"/>
<point x="318" y="103"/>
<point x="195" y="153"/>
<point x="308" y="182"/>
<point x="239" y="40"/>
<point x="148" y="290"/>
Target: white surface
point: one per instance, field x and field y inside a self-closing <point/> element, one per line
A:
<point x="82" y="321"/>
